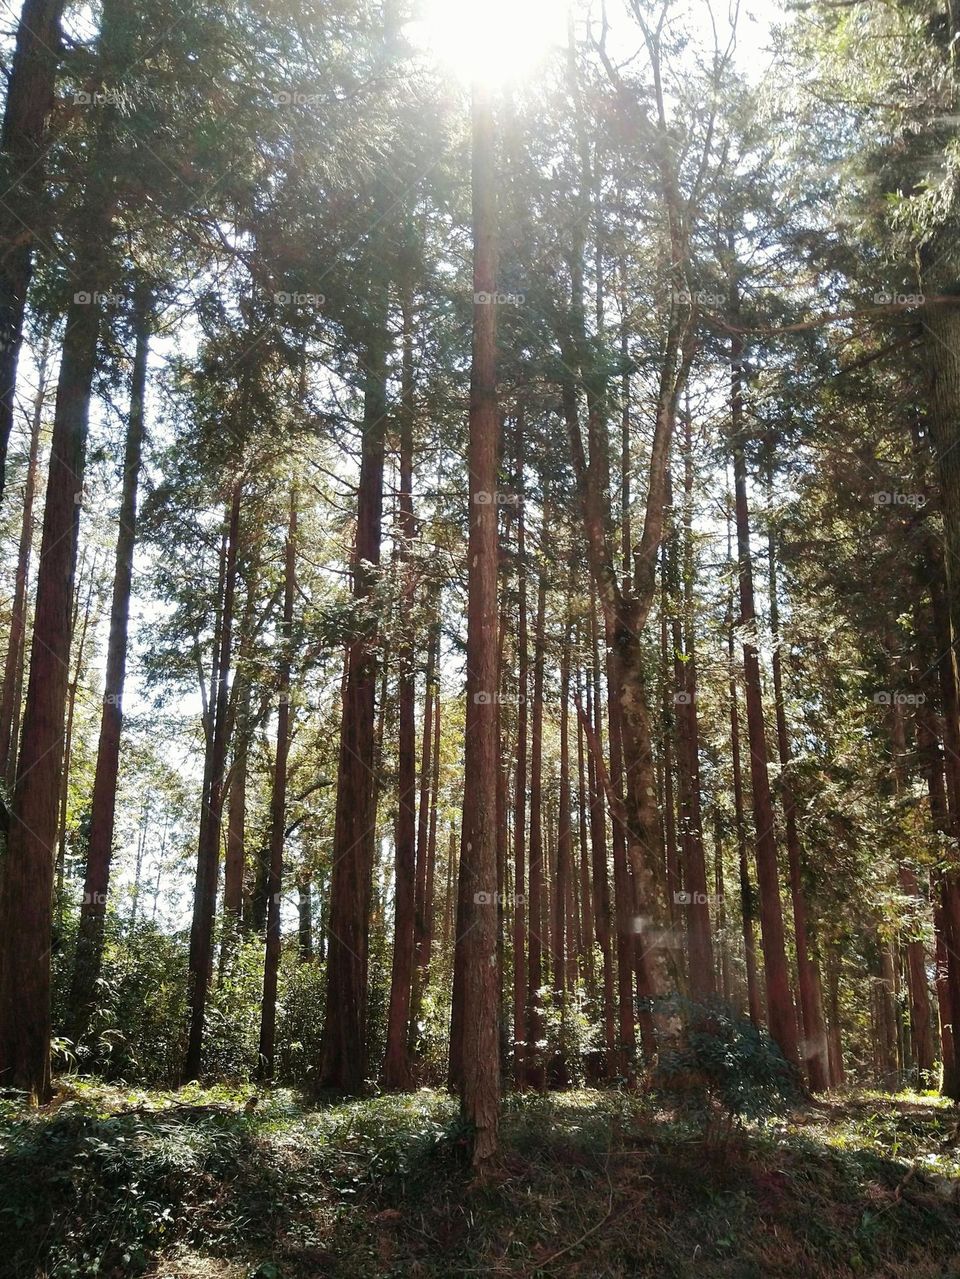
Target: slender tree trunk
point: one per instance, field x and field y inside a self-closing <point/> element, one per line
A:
<point x="814" y="1049"/>
<point x="208" y="850"/>
<point x="696" y="900"/>
<point x="921" y="1036"/>
<point x="305" y="917"/>
<point x="587" y="931"/>
<point x="396" y="1067"/>
<point x="426" y="833"/>
<point x="96" y="886"/>
<point x="476" y="951"/>
<point x="780" y="1009"/>
<point x="278" y="807"/>
<point x="602" y="912"/>
<point x="23" y="147"/>
<point x="835" y="1040"/>
<point x="520" y="784"/>
<point x="534" y="1017"/>
<point x="13" y="666"/>
<point x="72" y="688"/>
<point x="234" y="867"/>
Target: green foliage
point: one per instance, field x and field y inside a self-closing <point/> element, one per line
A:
<point x="117" y="1184"/>
<point x="717" y="1067"/>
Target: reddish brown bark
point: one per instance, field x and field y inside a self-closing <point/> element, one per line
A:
<point x="396" y="1066"/>
<point x="520" y="782"/>
<point x="598" y="848"/>
<point x="23" y="146"/>
<point x="814" y="1047"/>
<point x="25" y="918"/>
<point x="343" y="1064"/>
<point x="278" y="807"/>
<point x="780" y="1010"/>
<point x="211" y="814"/>
<point x="103" y="803"/>
<point x="13" y="666"/>
<point x="476" y="950"/>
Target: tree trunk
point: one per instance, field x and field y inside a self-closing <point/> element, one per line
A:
<point x="780" y="1009"/>
<point x="96" y="885"/>
<point x="234" y="868"/>
<point x="696" y="905"/>
<point x="343" y="1064"/>
<point x="13" y="666"/>
<point x="520" y="784"/>
<point x="814" y="1049"/>
<point x="534" y="1015"/>
<point x="68" y="730"/>
<point x="305" y="917"/>
<point x="25" y="935"/>
<point x="476" y="951"/>
<point x="396" y="1066"/>
<point x="208" y="849"/>
<point x="23" y="147"/>
<point x="278" y="807"/>
<point x="602" y="913"/>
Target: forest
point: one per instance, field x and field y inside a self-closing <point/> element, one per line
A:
<point x="479" y="620"/>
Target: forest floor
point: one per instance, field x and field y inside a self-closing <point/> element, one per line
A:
<point x="200" y="1185"/>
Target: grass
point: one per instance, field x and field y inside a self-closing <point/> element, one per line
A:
<point x="112" y="1182"/>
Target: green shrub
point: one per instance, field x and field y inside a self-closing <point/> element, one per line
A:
<point x="716" y="1067"/>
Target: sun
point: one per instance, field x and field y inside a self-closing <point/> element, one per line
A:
<point x="494" y="42"/>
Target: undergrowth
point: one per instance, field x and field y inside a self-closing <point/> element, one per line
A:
<point x="200" y="1183"/>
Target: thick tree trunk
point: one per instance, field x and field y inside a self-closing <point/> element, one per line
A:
<point x="96" y="885"/>
<point x="476" y="951"/>
<point x="25" y="919"/>
<point x="278" y="807"/>
<point x="343" y="1064"/>
<point x="23" y="146"/>
<point x="13" y="666"/>
<point x="211" y="816"/>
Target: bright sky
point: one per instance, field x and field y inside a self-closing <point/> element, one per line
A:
<point x="499" y="41"/>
